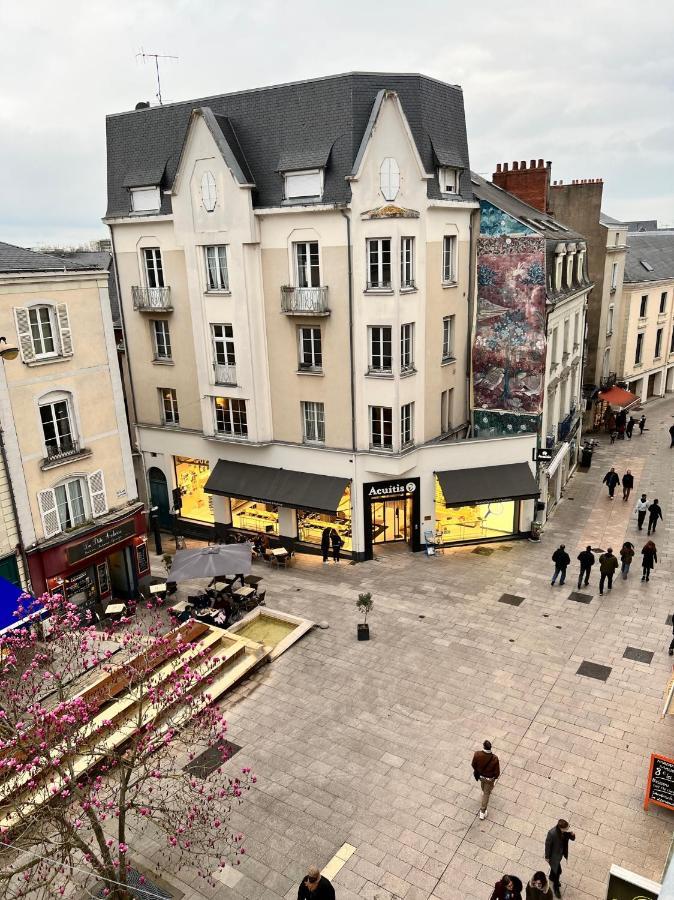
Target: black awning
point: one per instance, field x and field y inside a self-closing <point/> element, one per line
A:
<point x="299" y="490"/>
<point x="513" y="482"/>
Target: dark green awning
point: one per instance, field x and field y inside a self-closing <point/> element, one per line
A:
<point x="513" y="482"/>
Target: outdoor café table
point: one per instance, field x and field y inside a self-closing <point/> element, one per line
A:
<point x="244" y="592"/>
<point x="279" y="551"/>
<point x="115" y="610"/>
<point x="179" y="607"/>
<point x="158" y="588"/>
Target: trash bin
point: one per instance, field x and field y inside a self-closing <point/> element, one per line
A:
<point x="586" y="457"/>
<point x="536" y="529"/>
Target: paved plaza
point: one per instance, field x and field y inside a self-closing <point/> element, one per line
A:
<point x="371" y="743"/>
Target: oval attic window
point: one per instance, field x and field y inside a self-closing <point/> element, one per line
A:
<point x="389" y="178"/>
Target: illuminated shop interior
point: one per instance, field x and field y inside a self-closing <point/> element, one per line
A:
<point x="310" y="525"/>
<point x="253" y="515"/>
<point x="474" y="521"/>
<point x="191" y="476"/>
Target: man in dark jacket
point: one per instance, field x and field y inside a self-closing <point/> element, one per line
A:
<point x="556" y="849"/>
<point x="654" y="513"/>
<point x="561" y="559"/>
<point x="607" y="566"/>
<point x="671" y="433"/>
<point x="628" y="484"/>
<point x="586" y="560"/>
<point x="611" y="480"/>
<point x="486" y="770"/>
<point x="315" y="886"/>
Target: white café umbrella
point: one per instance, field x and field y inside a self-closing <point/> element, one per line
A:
<point x="209" y="562"/>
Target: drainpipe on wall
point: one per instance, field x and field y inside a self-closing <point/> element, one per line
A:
<point x="352" y="375"/>
<point x="473" y="237"/>
<point x="12" y="499"/>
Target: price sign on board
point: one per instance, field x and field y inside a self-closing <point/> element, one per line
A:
<point x="660" y="787"/>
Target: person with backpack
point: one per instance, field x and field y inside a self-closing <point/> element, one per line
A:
<point x="650" y="557"/>
<point x="586" y="560"/>
<point x="561" y="559"/>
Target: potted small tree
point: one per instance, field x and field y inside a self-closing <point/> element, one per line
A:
<point x="364" y="604"/>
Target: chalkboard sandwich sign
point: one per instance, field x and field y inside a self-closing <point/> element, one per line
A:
<point x="660" y="786"/>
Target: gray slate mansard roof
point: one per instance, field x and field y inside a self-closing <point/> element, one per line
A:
<point x="608" y="220"/>
<point x="18" y="259"/>
<point x="656" y="249"/>
<point x="289" y="125"/>
<point x="98" y="259"/>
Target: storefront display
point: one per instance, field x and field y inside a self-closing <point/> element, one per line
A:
<point x="473" y="521"/>
<point x="310" y="524"/>
<point x="191" y="476"/>
<point x="252" y="515"/>
<point x="391" y="513"/>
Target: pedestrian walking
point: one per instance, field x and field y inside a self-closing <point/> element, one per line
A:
<point x="561" y="559"/>
<point x="642" y="424"/>
<point x="611" y="480"/>
<point x="337" y="543"/>
<point x="315" y="886"/>
<point x="557" y="849"/>
<point x="654" y="513"/>
<point x="486" y="770"/>
<point x="650" y="557"/>
<point x="607" y="566"/>
<point x="508" y="888"/>
<point x="671" y="434"/>
<point x="325" y="544"/>
<point x="671" y="646"/>
<point x="621" y="420"/>
<point x="586" y="560"/>
<point x="630" y="427"/>
<point x="628" y="484"/>
<point x="641" y="510"/>
<point x="626" y="557"/>
<point x="539" y="888"/>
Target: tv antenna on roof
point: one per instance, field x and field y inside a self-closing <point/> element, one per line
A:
<point x="156" y="57"/>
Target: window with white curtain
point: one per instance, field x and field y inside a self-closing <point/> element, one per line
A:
<point x="307" y="265"/>
<point x="448" y="338"/>
<point x="313" y="422"/>
<point x="70" y="503"/>
<point x="217" y="275"/>
<point x="406" y="262"/>
<point x="154" y="268"/>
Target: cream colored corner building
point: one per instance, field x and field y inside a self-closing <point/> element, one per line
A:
<point x="65" y="434"/>
<point x="330" y="341"/>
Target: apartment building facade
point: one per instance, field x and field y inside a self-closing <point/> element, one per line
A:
<point x="297" y="310"/>
<point x="64" y="428"/>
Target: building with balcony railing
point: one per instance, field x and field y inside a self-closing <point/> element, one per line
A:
<point x="151" y="299"/>
<point x="304" y="301"/>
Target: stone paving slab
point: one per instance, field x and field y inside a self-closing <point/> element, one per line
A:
<point x="369" y="743"/>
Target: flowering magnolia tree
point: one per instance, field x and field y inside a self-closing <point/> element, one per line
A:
<point x="96" y="726"/>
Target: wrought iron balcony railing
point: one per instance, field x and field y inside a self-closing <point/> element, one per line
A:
<point x="305" y="301"/>
<point x="151" y="299"/>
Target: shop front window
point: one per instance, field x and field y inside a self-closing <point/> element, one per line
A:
<point x="191" y="476"/>
<point x="474" y="521"/>
<point x="310" y="524"/>
<point x="254" y="515"/>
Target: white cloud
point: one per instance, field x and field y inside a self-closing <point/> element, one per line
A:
<point x="586" y="85"/>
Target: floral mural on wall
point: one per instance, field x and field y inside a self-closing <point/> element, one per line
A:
<point x="509" y="351"/>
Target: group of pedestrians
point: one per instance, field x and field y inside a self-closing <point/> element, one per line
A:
<point x="487" y="770"/>
<point x="612" y="480"/>
<point x="608" y="564"/>
<point x="622" y="426"/>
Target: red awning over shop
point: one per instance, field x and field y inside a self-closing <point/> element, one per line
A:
<point x="616" y="396"/>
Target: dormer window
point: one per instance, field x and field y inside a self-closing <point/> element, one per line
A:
<point x="449" y="180"/>
<point x="559" y="261"/>
<point x="306" y="184"/>
<point x="569" y="267"/>
<point x="145" y="199"/>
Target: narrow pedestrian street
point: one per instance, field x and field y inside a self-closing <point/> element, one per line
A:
<point x="370" y="743"/>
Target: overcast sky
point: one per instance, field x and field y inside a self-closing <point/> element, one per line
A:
<point x="588" y="85"/>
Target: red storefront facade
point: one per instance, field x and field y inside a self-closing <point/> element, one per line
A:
<point x="97" y="563"/>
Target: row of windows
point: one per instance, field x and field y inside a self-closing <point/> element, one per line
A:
<point x="657" y="354"/>
<point x="307" y="269"/>
<point x="568" y="281"/>
<point x="643" y="305"/>
<point x="566" y="334"/>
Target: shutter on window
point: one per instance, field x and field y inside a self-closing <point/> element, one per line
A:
<point x="49" y="513"/>
<point x="24" y="335"/>
<point x="99" y="503"/>
<point x="64" y="329"/>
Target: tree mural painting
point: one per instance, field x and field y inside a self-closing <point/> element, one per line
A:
<point x="96" y="727"/>
<point x="509" y="351"/>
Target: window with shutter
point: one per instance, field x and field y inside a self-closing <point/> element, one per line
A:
<point x="389" y="178"/>
<point x="64" y="329"/>
<point x="99" y="503"/>
<point x="49" y="513"/>
<point x="24" y="334"/>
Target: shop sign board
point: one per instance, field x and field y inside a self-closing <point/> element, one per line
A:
<point x="390" y="489"/>
<point x="660" y="785"/>
<point x="626" y="885"/>
<point x="98" y="542"/>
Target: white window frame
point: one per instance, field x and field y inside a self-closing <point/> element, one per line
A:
<point x="449" y="244"/>
<point x="222" y="339"/>
<point x="407" y="282"/>
<point x="407" y="347"/>
<point x="307" y="183"/>
<point x="376" y="358"/>
<point x="234" y="423"/>
<point x="375" y="253"/>
<point x="154" y="267"/>
<point x="216" y="264"/>
<point x="313" y="422"/>
<point x="168" y="401"/>
<point x="40" y="325"/>
<point x="67" y="488"/>
<point x="448" y="333"/>
<point x="406" y="425"/>
<point x="378" y="415"/>
<point x="145" y="199"/>
<point x="63" y="444"/>
<point x="448" y="178"/>
<point x="311" y="268"/>
<point x="167" y="353"/>
<point x="315" y="340"/>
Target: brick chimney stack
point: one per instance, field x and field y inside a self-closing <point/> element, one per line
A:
<point x="530" y="183"/>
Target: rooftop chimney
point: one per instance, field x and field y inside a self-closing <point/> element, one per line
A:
<point x="531" y="184"/>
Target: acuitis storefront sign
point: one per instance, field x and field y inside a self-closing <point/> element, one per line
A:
<point x="391" y="489"/>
